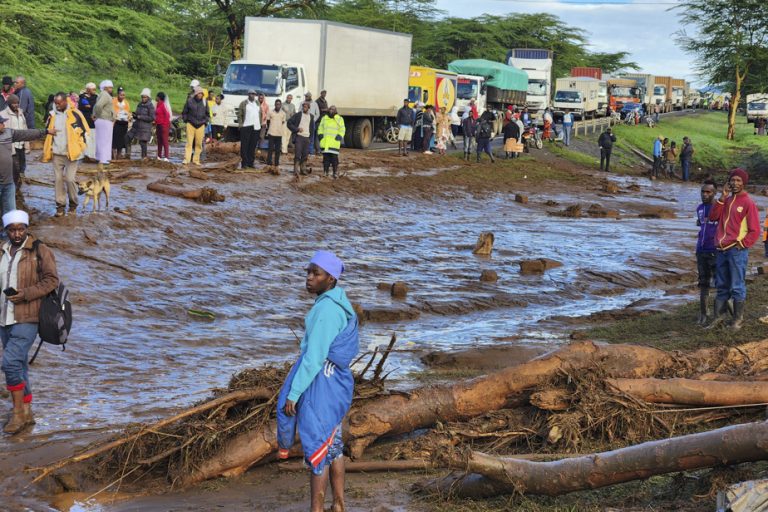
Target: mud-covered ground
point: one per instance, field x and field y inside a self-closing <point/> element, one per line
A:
<point x="137" y="353"/>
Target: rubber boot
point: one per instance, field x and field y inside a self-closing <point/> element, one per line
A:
<point x="720" y="314"/>
<point x="295" y="167"/>
<point x="493" y="160"/>
<point x="17" y="422"/>
<point x="478" y="158"/>
<point x="453" y="144"/>
<point x="703" y="308"/>
<point x="738" y="315"/>
<point x="28" y="417"/>
<point x="335" y="171"/>
<point x="303" y="168"/>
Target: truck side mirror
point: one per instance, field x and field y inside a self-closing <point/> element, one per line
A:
<point x="483" y="88"/>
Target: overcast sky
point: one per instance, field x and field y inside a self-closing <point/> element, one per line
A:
<point x="644" y="28"/>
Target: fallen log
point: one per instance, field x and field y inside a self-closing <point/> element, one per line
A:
<point x="726" y="446"/>
<point x="225" y="165"/>
<point x="198" y="175"/>
<point x="223" y="147"/>
<point x="693" y="392"/>
<point x="201" y="195"/>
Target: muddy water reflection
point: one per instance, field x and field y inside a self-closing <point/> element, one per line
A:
<point x="136" y="352"/>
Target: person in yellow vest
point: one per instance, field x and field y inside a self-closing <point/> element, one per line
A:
<point x="331" y="132"/>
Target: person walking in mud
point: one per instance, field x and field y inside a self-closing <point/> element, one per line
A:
<point x="404" y="122"/>
<point x="275" y="133"/>
<point x="196" y="115"/>
<point x="686" y="155"/>
<point x="738" y="229"/>
<point x="331" y="132"/>
<point x="27" y="274"/>
<point x="468" y="129"/>
<point x="706" y="254"/>
<point x="484" y="134"/>
<point x="249" y="124"/>
<point x="16" y="121"/>
<point x="302" y="125"/>
<point x="606" y="141"/>
<point x="318" y="390"/>
<point x="104" y="119"/>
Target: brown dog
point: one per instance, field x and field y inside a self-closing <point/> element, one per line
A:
<point x="93" y="189"/>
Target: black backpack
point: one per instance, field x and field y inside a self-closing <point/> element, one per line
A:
<point x="55" y="313"/>
<point x="485" y="130"/>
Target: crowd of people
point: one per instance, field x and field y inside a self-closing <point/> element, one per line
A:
<point x="666" y="154"/>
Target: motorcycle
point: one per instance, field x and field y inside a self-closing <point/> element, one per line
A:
<point x="532" y="137"/>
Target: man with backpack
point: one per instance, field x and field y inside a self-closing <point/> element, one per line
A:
<point x="605" y="141"/>
<point x="484" y="134"/>
<point x="27" y="275"/>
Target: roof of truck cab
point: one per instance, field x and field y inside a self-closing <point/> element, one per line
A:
<point x="498" y="74"/>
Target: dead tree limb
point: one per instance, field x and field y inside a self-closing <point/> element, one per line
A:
<point x="201" y="195"/>
<point x="693" y="392"/>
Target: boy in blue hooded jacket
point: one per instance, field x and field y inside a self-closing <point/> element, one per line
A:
<point x="318" y="391"/>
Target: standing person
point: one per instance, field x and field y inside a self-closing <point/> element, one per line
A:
<point x="404" y="120"/>
<point x="163" y="115"/>
<point x="317" y="392"/>
<point x="443" y="134"/>
<point x="210" y="101"/>
<point x="264" y="106"/>
<point x="738" y="229"/>
<point x="548" y="119"/>
<point x="290" y="110"/>
<point x="275" y="133"/>
<point x="656" y="113"/>
<point x="302" y="125"/>
<point x="85" y="103"/>
<point x="5" y="91"/>
<point x="144" y="118"/>
<point x="29" y="267"/>
<point x="65" y="147"/>
<point x="484" y="134"/>
<point x="322" y="103"/>
<point x="510" y="131"/>
<point x="567" y="127"/>
<point x="249" y="123"/>
<point x="195" y="114"/>
<point x="26" y="100"/>
<point x="217" y="118"/>
<point x="427" y="129"/>
<point x="314" y="147"/>
<point x="525" y="117"/>
<point x="455" y="125"/>
<point x="657" y="152"/>
<point x="10" y="152"/>
<point x="671" y="158"/>
<point x="17" y="122"/>
<point x="606" y="141"/>
<point x="418" y="127"/>
<point x="706" y="253"/>
<point x="468" y="128"/>
<point x="686" y="155"/>
<point x="104" y="118"/>
<point x="331" y="132"/>
<point x="122" y="108"/>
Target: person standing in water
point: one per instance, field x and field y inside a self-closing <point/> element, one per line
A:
<point x="318" y="390"/>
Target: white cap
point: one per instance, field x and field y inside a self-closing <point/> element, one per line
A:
<point x="90" y="85"/>
<point x="146" y="92"/>
<point x="194" y="83"/>
<point x="15" y="217"/>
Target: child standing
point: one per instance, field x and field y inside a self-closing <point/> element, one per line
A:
<point x="318" y="391"/>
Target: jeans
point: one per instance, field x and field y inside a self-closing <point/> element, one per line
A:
<point x="468" y="143"/>
<point x="8" y="197"/>
<point x="484" y="146"/>
<point x="567" y="134"/>
<point x="17" y="340"/>
<point x="685" y="166"/>
<point x="731" y="274"/>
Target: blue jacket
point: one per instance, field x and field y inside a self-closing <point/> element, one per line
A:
<point x="657" y="148"/>
<point x="327" y="397"/>
<point x="707" y="229"/>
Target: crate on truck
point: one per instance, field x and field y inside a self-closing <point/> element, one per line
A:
<point x="365" y="71"/>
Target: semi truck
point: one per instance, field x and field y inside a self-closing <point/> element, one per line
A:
<point x="757" y="107"/>
<point x="471" y="87"/>
<point x="538" y="64"/>
<point x="504" y="85"/>
<point x="365" y="71"/>
<point x="646" y="84"/>
<point x="579" y="95"/>
<point x="431" y="86"/>
<point x="662" y="93"/>
<point x="678" y="88"/>
<point x="621" y="91"/>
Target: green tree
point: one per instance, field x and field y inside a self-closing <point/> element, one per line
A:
<point x="729" y="42"/>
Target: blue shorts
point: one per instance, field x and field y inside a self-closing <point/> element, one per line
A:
<point x="335" y="450"/>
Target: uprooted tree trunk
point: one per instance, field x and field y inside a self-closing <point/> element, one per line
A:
<point x="693" y="392"/>
<point x="201" y="195"/>
<point x="725" y="446"/>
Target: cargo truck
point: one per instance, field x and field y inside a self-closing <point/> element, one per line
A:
<point x="757" y="107"/>
<point x="646" y="84"/>
<point x="471" y="87"/>
<point x="578" y="95"/>
<point x="431" y="86"/>
<point x="538" y="64"/>
<point x="365" y="71"/>
<point x="662" y="93"/>
<point x="621" y="91"/>
<point x="677" y="98"/>
<point x="602" y="98"/>
<point x="505" y="85"/>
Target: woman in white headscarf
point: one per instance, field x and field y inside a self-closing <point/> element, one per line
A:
<point x="104" y="117"/>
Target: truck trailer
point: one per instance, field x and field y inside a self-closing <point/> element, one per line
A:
<point x="579" y="95"/>
<point x="505" y="85"/>
<point x="538" y="64"/>
<point x="365" y="71"/>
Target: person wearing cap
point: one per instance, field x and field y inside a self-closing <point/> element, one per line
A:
<point x="5" y="91"/>
<point x="104" y="119"/>
<point x="194" y="84"/>
<point x="196" y="115"/>
<point x="318" y="390"/>
<point x="19" y="150"/>
<point x="28" y="268"/>
<point x="144" y="117"/>
<point x="606" y="141"/>
<point x="331" y="131"/>
<point x="65" y="147"/>
<point x="26" y="100"/>
<point x="314" y="141"/>
<point x="738" y="228"/>
<point x="404" y="122"/>
<point x="85" y="103"/>
<point x="249" y="123"/>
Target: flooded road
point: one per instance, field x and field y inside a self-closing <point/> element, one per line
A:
<point x="135" y="352"/>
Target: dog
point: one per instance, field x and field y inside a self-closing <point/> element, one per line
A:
<point x="93" y="189"/>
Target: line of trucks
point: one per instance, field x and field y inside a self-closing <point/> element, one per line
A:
<point x="368" y="73"/>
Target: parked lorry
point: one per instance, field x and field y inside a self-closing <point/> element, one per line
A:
<point x="505" y="85"/>
<point x="621" y="91"/>
<point x="678" y="88"/>
<point x="468" y="88"/>
<point x="646" y="84"/>
<point x="662" y="93"/>
<point x="538" y="64"/>
<point x="693" y="99"/>
<point x="587" y="71"/>
<point x="757" y="107"/>
<point x="578" y="95"/>
<point x="365" y="71"/>
<point x="432" y="87"/>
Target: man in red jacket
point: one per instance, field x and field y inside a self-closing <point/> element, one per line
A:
<point x="738" y="229"/>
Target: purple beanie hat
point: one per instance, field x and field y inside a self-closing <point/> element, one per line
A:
<point x="328" y="261"/>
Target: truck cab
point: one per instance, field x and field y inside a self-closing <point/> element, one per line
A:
<point x="757" y="107"/>
<point x="678" y="98"/>
<point x="469" y="87"/>
<point x="275" y="81"/>
<point x="659" y="96"/>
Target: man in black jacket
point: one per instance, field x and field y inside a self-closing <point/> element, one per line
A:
<point x="302" y="124"/>
<point x="405" y="128"/>
<point x="605" y="141"/>
<point x="196" y="115"/>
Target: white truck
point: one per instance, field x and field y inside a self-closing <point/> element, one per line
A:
<point x="365" y="71"/>
<point x="469" y="87"/>
<point x="538" y="64"/>
<point x="602" y="98"/>
<point x="757" y="106"/>
<point x="580" y="95"/>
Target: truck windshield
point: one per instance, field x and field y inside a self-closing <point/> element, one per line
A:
<point x="625" y="91"/>
<point x="659" y="91"/>
<point x="537" y="87"/>
<point x="756" y="106"/>
<point x="414" y="93"/>
<point x="466" y="89"/>
<point x="241" y="78"/>
<point x="567" y="96"/>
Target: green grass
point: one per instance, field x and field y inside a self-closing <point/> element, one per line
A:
<point x="573" y="156"/>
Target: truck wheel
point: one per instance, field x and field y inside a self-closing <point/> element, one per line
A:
<point x="349" y="134"/>
<point x="362" y="134"/>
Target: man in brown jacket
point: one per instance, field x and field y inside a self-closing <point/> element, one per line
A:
<point x="23" y="287"/>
